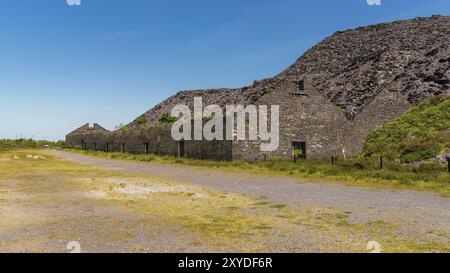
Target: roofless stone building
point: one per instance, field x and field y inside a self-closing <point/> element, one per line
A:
<point x="330" y="99"/>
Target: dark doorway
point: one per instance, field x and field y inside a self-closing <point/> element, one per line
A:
<point x="146" y="148"/>
<point x="299" y="150"/>
<point x="181" y="150"/>
<point x="123" y="147"/>
<point x="95" y="146"/>
<point x="301" y="85"/>
<point x="107" y="147"/>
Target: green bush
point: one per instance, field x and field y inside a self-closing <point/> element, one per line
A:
<point x="10" y="144"/>
<point x="167" y="119"/>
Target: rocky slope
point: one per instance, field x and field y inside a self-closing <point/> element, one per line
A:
<point x="351" y="67"/>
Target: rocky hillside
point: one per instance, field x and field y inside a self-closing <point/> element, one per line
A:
<point x="351" y="67"/>
<point x="224" y="96"/>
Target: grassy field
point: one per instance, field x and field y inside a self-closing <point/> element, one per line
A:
<point x="364" y="172"/>
<point x="47" y="201"/>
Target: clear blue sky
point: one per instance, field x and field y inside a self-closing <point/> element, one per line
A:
<point x="108" y="61"/>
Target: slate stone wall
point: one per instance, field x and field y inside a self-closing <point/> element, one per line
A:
<point x="152" y="140"/>
<point x="307" y="116"/>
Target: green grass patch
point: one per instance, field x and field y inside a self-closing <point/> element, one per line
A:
<point x="278" y="206"/>
<point x="421" y="133"/>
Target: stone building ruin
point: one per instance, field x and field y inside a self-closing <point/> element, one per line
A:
<point x="330" y="99"/>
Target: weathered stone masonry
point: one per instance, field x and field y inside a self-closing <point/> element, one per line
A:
<point x="155" y="139"/>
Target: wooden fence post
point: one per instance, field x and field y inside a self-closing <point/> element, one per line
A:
<point x="448" y="163"/>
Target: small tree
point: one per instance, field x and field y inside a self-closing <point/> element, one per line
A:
<point x="141" y="121"/>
